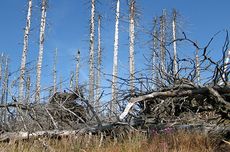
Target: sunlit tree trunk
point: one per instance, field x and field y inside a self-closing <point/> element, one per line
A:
<point x="115" y="59"/>
<point x="24" y="52"/>
<point x="55" y="72"/>
<point x="77" y="68"/>
<point x="175" y="66"/>
<point x="98" y="80"/>
<point x="91" y="59"/>
<point x="41" y="48"/>
<point x="71" y="80"/>
<point x="162" y="39"/>
<point x="197" y="67"/>
<point x="131" y="44"/>
<point x="155" y="64"/>
<point x="5" y="87"/>
<point x="226" y="65"/>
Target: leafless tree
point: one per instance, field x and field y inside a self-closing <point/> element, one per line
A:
<point x="131" y="43"/>
<point x="71" y="80"/>
<point x="175" y="66"/>
<point x="41" y="49"/>
<point x="91" y="51"/>
<point x="155" y="52"/>
<point x="77" y="67"/>
<point x="197" y="67"/>
<point x="5" y="84"/>
<point x="24" y="52"/>
<point x="55" y="71"/>
<point x="99" y="52"/>
<point x="28" y="88"/>
<point x="162" y="41"/>
<point x="115" y="59"/>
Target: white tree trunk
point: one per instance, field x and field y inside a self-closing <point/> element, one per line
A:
<point x="41" y="48"/>
<point x="226" y="65"/>
<point x="5" y="87"/>
<point x="131" y="44"/>
<point x="91" y="59"/>
<point x="162" y="38"/>
<point x="24" y="52"/>
<point x="155" y="63"/>
<point x="28" y="86"/>
<point x="98" y="80"/>
<point x="55" y="72"/>
<point x="115" y="58"/>
<point x="175" y="67"/>
<point x="77" y="69"/>
<point x="71" y="81"/>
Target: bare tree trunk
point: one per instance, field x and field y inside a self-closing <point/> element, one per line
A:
<point x="131" y="44"/>
<point x="91" y="60"/>
<point x="175" y="66"/>
<point x="41" y="48"/>
<point x="162" y="38"/>
<point x="28" y="85"/>
<point x="226" y="65"/>
<point x="55" y="72"/>
<point x="71" y="81"/>
<point x="154" y="53"/>
<point x="197" y="67"/>
<point x="115" y="58"/>
<point x="24" y="52"/>
<point x="77" y="68"/>
<point x="5" y="87"/>
<point x="98" y="80"/>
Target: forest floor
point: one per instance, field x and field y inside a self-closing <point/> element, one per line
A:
<point x="134" y="142"/>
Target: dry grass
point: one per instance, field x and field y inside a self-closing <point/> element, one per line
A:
<point x="168" y="142"/>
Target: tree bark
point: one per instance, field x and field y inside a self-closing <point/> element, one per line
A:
<point x="98" y="80"/>
<point x="91" y="59"/>
<point x="162" y="38"/>
<point x="175" y="66"/>
<point x="41" y="49"/>
<point x="131" y="44"/>
<point x="115" y="60"/>
<point x="24" y="52"/>
<point x="155" y="58"/>
<point x="77" y="68"/>
<point x="55" y="72"/>
<point x="197" y="67"/>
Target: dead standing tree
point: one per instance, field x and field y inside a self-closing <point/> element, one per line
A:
<point x="115" y="59"/>
<point x="155" y="53"/>
<point x="55" y="71"/>
<point x="131" y="44"/>
<point x="91" y="54"/>
<point x="77" y="68"/>
<point x="174" y="22"/>
<point x="162" y="42"/>
<point x="99" y="60"/>
<point x="41" y="49"/>
<point x="24" y="52"/>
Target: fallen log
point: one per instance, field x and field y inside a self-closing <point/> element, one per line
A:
<point x="218" y="99"/>
<point x="107" y="128"/>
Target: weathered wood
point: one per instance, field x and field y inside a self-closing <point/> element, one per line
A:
<point x="208" y="91"/>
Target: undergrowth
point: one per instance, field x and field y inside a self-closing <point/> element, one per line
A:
<point x="133" y="142"/>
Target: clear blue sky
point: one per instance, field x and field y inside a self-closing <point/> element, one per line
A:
<point x="68" y="30"/>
